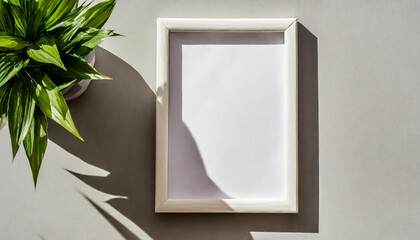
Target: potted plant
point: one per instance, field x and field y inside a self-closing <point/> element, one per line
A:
<point x="42" y="48"/>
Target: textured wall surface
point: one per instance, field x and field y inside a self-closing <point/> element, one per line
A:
<point x="359" y="82"/>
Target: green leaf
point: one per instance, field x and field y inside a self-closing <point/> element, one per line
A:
<point x="97" y="15"/>
<point x="20" y="112"/>
<point x="88" y="40"/>
<point x="67" y="84"/>
<point x="69" y="26"/>
<point x="35" y="142"/>
<point x="13" y="2"/>
<point x="45" y="50"/>
<point x="56" y="10"/>
<point x="20" y="19"/>
<point x="35" y="23"/>
<point x="4" y="98"/>
<point x="6" y="18"/>
<point x="26" y="18"/>
<point x="3" y="121"/>
<point x="11" y="42"/>
<point x="76" y="14"/>
<point x="42" y="4"/>
<point x="67" y="31"/>
<point x="9" y="68"/>
<point x="79" y="20"/>
<point x="78" y="68"/>
<point x="49" y="98"/>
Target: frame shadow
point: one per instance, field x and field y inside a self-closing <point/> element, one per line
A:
<point x="117" y="120"/>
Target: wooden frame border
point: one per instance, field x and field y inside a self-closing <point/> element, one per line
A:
<point x="165" y="205"/>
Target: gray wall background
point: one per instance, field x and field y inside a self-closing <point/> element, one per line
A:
<point x="359" y="68"/>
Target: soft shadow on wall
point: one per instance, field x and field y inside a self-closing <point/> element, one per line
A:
<point x="117" y="120"/>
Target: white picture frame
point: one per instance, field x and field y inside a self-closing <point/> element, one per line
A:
<point x="163" y="204"/>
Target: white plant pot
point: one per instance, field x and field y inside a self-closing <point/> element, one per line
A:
<point x="79" y="87"/>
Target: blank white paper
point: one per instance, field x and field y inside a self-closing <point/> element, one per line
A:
<point x="226" y="115"/>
